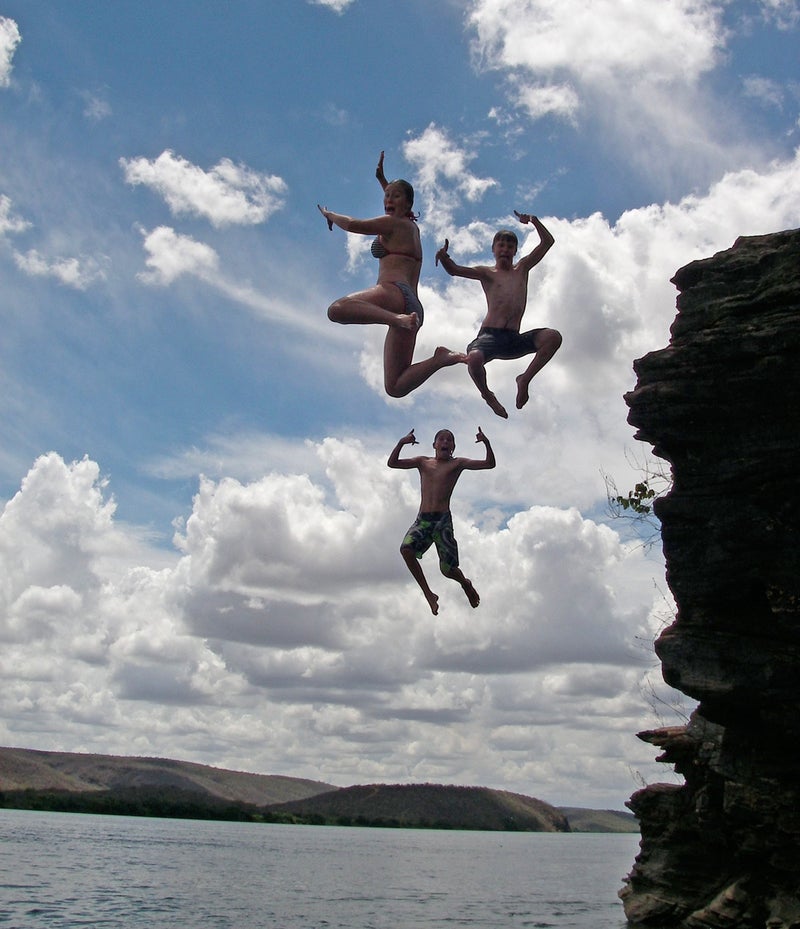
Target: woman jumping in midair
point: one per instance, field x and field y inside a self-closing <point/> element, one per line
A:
<point x="393" y="301"/>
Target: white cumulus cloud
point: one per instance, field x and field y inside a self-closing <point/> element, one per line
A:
<point x="604" y="41"/>
<point x="282" y="597"/>
<point x="78" y="273"/>
<point x="633" y="73"/>
<point x="442" y="175"/>
<point x="9" y="223"/>
<point x="338" y="6"/>
<point x="171" y="255"/>
<point x="9" y="40"/>
<point x="227" y="194"/>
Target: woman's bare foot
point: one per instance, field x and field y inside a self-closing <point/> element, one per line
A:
<point x="522" y="392"/>
<point x="472" y="594"/>
<point x="433" y="602"/>
<point x="448" y="357"/>
<point x="407" y="321"/>
<point x="495" y="404"/>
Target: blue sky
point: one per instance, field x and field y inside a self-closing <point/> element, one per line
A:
<point x="200" y="533"/>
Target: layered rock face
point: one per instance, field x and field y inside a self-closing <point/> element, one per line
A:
<point x="722" y="404"/>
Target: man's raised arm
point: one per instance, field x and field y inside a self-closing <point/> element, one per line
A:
<point x="475" y="464"/>
<point x="395" y="461"/>
<point x="454" y="269"/>
<point x="546" y="241"/>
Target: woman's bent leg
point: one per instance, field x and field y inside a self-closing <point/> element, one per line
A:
<point x="376" y="305"/>
<point x="400" y="376"/>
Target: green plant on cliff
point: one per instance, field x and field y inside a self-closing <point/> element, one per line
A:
<point x="636" y="498"/>
<point x="636" y="505"/>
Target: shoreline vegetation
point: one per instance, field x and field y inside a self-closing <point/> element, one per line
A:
<point x="157" y="787"/>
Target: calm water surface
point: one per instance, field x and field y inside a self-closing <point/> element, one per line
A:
<point x="60" y="870"/>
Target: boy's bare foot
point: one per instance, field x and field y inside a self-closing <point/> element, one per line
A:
<point x="447" y="357"/>
<point x="433" y="602"/>
<point x="522" y="392"/>
<point x="472" y="594"/>
<point x="495" y="404"/>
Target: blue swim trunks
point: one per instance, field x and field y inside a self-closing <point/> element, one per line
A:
<point x="412" y="301"/>
<point x="434" y="529"/>
<point x="504" y="343"/>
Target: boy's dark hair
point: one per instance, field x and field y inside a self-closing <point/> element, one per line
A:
<point x="444" y="430"/>
<point x="506" y="234"/>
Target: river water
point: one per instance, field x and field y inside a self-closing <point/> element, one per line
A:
<point x="62" y="870"/>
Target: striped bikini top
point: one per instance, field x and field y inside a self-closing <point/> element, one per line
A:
<point x="379" y="250"/>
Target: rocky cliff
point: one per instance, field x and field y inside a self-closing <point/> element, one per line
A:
<point x="722" y="405"/>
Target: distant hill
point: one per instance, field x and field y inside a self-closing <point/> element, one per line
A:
<point x="429" y="806"/>
<point x="581" y="820"/>
<point x="27" y="769"/>
<point x="76" y="782"/>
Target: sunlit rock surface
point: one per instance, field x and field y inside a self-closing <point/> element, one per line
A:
<point x="722" y="404"/>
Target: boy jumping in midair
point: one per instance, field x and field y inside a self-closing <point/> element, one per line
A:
<point x="434" y="524"/>
<point x="506" y="288"/>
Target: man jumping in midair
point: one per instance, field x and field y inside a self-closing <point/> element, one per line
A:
<point x="434" y="524"/>
<point x="506" y="288"/>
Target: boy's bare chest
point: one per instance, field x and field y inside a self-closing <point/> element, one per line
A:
<point x="440" y="471"/>
<point x="506" y="287"/>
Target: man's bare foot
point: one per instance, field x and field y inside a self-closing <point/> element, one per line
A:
<point x="433" y="602"/>
<point x="522" y="392"/>
<point x="472" y="594"/>
<point x="495" y="404"/>
<point x="447" y="357"/>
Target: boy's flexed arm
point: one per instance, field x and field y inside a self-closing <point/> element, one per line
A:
<point x="454" y="269"/>
<point x="546" y="240"/>
<point x="475" y="464"/>
<point x="395" y="461"/>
